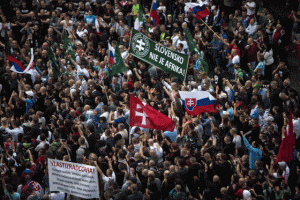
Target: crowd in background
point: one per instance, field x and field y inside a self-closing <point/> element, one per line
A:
<point x="82" y="115"/>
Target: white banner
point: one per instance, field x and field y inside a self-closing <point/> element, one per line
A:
<point x="73" y="178"/>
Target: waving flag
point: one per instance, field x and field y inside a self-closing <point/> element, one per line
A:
<point x="52" y="60"/>
<point x="154" y="14"/>
<point x="118" y="65"/>
<point x="198" y="10"/>
<point x="17" y="65"/>
<point x="111" y="54"/>
<point x="197" y="102"/>
<point x="286" y="148"/>
<point x="194" y="49"/>
<point x="68" y="46"/>
<point x="144" y="116"/>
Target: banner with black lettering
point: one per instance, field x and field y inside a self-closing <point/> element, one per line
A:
<point x="73" y="178"/>
<point x="168" y="60"/>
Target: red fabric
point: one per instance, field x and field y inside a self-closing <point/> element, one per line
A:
<point x="32" y="169"/>
<point x="250" y="17"/>
<point x="41" y="160"/>
<point x="239" y="193"/>
<point x="8" y="145"/>
<point x="252" y="53"/>
<point x="287" y="145"/>
<point x="237" y="49"/>
<point x="276" y="37"/>
<point x="201" y="14"/>
<point x="76" y="133"/>
<point x="130" y="85"/>
<point x="78" y="113"/>
<point x="143" y="115"/>
<point x="12" y="59"/>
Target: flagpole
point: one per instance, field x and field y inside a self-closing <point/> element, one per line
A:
<point x="186" y="71"/>
<point x="208" y="27"/>
<point x="104" y="88"/>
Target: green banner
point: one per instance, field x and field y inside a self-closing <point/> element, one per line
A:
<point x="118" y="66"/>
<point x="194" y="49"/>
<point x="170" y="61"/>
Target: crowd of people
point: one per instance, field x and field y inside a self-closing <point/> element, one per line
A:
<point x="82" y="114"/>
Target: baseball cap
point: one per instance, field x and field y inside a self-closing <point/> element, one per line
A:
<point x="223" y="95"/>
<point x="29" y="93"/>
<point x="80" y="74"/>
<point x="246" y="195"/>
<point x="160" y="8"/>
<point x="120" y="13"/>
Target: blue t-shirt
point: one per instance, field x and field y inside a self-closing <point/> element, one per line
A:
<point x="90" y="19"/>
<point x="29" y="104"/>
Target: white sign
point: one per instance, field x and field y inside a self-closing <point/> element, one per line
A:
<point x="73" y="178"/>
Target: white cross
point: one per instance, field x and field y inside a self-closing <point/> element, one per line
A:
<point x="189" y="103"/>
<point x="144" y="115"/>
<point x="141" y="44"/>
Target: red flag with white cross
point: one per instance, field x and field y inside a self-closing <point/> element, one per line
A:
<point x="144" y="116"/>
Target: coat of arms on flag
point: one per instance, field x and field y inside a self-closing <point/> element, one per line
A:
<point x="197" y="102"/>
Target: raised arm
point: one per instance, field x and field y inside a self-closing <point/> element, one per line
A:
<point x="98" y="169"/>
<point x="142" y="150"/>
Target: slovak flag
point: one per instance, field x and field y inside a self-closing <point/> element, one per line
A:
<point x="199" y="10"/>
<point x="197" y="102"/>
<point x="154" y="14"/>
<point x="111" y="54"/>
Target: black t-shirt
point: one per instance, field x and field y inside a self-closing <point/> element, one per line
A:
<point x="218" y="79"/>
<point x="24" y="10"/>
<point x="61" y="7"/>
<point x="20" y="20"/>
<point x="81" y="12"/>
<point x="35" y="21"/>
<point x="110" y="13"/>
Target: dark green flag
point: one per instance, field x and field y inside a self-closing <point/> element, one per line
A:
<point x="142" y="18"/>
<point x="68" y="46"/>
<point x="8" y="49"/>
<point x="118" y="66"/>
<point x="194" y="49"/>
<point x="55" y="66"/>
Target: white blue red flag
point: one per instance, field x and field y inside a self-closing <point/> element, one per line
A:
<point x="111" y="54"/>
<point x="154" y="14"/>
<point x="199" y="10"/>
<point x="197" y="102"/>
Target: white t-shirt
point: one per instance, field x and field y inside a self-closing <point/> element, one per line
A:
<point x="106" y="180"/>
<point x="250" y="4"/>
<point x="285" y="174"/>
<point x="237" y="140"/>
<point x="14" y="133"/>
<point x="236" y="59"/>
<point x="80" y="33"/>
<point x="106" y="115"/>
<point x="296" y="125"/>
<point x="66" y="27"/>
<point x="56" y="196"/>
